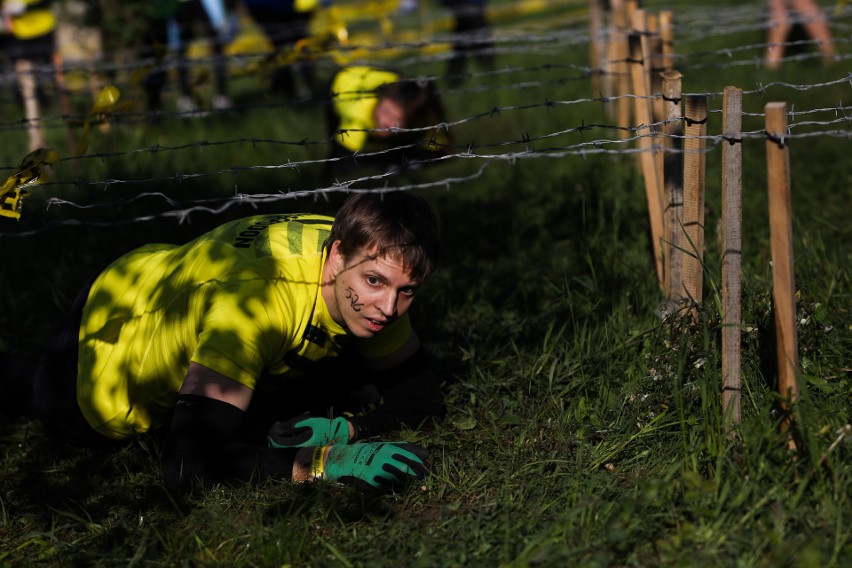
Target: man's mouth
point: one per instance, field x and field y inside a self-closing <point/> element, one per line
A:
<point x="376" y="325"/>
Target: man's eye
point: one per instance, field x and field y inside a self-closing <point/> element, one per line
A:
<point x="408" y="291"/>
<point x="373" y="281"/>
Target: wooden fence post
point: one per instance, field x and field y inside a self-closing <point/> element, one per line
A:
<point x="647" y="159"/>
<point x="732" y="215"/>
<point x="597" y="48"/>
<point x="673" y="190"/>
<point x="655" y="68"/>
<point x="694" y="160"/>
<point x="630" y="6"/>
<point x="653" y="82"/>
<point x="639" y="26"/>
<point x="617" y="53"/>
<point x="667" y="39"/>
<point x="781" y="231"/>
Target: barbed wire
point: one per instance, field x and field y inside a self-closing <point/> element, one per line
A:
<point x="583" y="149"/>
<point x="495" y="111"/>
<point x="656" y="127"/>
<point x="469" y="151"/>
<point x="199" y="206"/>
<point x="61" y="121"/>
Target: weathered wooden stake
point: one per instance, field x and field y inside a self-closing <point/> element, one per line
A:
<point x="650" y="173"/>
<point x="694" y="159"/>
<point x="732" y="216"/>
<point x="597" y="47"/>
<point x="653" y="83"/>
<point x="667" y="39"/>
<point x="781" y="231"/>
<point x="639" y="25"/>
<point x="655" y="69"/>
<point x="630" y="6"/>
<point x="617" y="54"/>
<point x="673" y="190"/>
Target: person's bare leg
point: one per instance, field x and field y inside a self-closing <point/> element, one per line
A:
<point x="776" y="34"/>
<point x="816" y="25"/>
<point x="25" y="70"/>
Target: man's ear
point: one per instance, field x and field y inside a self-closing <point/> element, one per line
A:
<point x="335" y="258"/>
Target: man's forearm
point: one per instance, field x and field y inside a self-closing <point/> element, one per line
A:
<point x="201" y="446"/>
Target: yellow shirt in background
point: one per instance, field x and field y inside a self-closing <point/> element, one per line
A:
<point x="355" y="103"/>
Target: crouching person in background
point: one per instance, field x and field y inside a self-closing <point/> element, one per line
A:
<point x="218" y="342"/>
<point x="375" y="110"/>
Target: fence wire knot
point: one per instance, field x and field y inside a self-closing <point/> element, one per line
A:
<point x="779" y="139"/>
<point x="692" y="122"/>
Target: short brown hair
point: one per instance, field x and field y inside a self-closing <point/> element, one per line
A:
<point x="400" y="225"/>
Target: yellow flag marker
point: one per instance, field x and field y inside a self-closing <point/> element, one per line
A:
<point x="33" y="169"/>
<point x="106" y="104"/>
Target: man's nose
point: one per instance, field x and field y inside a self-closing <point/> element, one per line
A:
<point x="387" y="304"/>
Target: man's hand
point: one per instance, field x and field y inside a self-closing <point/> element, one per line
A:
<point x="382" y="466"/>
<point x="304" y="431"/>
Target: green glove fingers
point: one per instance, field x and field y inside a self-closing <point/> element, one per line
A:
<point x="303" y="431"/>
<point x="379" y="466"/>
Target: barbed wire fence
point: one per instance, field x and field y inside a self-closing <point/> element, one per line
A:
<point x="543" y="49"/>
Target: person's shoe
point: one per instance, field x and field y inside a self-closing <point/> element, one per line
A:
<point x="222" y="102"/>
<point x="186" y="104"/>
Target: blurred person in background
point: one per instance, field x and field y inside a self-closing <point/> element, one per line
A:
<point x="28" y="30"/>
<point x="27" y="45"/>
<point x="367" y="107"/>
<point x="471" y="37"/>
<point x="174" y="24"/>
<point x="284" y="23"/>
<point x="220" y="343"/>
<point x="782" y="15"/>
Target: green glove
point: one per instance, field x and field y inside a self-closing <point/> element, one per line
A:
<point x="374" y="465"/>
<point x="304" y="431"/>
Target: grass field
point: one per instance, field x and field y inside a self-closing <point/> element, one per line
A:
<point x="581" y="430"/>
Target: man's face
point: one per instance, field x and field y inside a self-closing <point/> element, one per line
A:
<point x="388" y="114"/>
<point x="369" y="291"/>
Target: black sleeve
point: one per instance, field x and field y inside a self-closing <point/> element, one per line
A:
<point x="410" y="394"/>
<point x="202" y="446"/>
<point x="39" y="5"/>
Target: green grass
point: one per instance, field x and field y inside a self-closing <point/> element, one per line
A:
<point x="581" y="430"/>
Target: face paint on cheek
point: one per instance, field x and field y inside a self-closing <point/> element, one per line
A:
<point x="352" y="296"/>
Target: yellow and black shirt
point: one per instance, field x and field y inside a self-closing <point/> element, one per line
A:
<point x="35" y="19"/>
